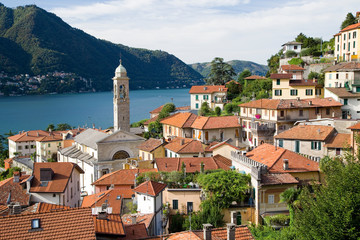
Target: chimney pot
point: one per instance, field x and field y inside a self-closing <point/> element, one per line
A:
<point x="286" y="164"/>
<point x="133" y="218"/>
<point x="230" y="231"/>
<point x="17" y="177"/>
<point x="207" y="231"/>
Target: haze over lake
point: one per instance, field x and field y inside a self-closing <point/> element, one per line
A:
<point x="85" y="109"/>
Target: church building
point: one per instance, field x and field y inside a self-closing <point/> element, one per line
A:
<point x="99" y="153"/>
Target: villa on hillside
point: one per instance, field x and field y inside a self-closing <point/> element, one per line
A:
<point x="214" y="95"/>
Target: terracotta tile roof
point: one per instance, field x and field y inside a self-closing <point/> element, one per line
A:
<point x="254" y="77"/>
<point x="351" y="27"/>
<point x="179" y="119"/>
<point x="341" y="140"/>
<point x="292" y="68"/>
<point x="355" y="127"/>
<point x="303" y="82"/>
<point x="16" y="192"/>
<point x="222" y="144"/>
<point x="281" y="76"/>
<point x="343" y="93"/>
<point x="292" y="103"/>
<point x="216" y="122"/>
<point x="151" y="144"/>
<point x="307" y="132"/>
<point x="185" y="145"/>
<point x="343" y="67"/>
<point x="157" y="110"/>
<point x="140" y="218"/>
<point x="113" y="197"/>
<point x="150" y="187"/>
<point x="278" y="179"/>
<point x="43" y="207"/>
<point x="136" y="231"/>
<point x="111" y="225"/>
<point x="62" y="173"/>
<point x="208" y="89"/>
<point x="273" y="158"/>
<point x="121" y="177"/>
<point x="28" y="136"/>
<point x="67" y="224"/>
<point x="151" y="120"/>
<point x="232" y="81"/>
<point x="210" y="146"/>
<point x="192" y="164"/>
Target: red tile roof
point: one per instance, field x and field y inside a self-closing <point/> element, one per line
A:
<point x="151" y="120"/>
<point x="216" y="122"/>
<point x="151" y="144"/>
<point x="62" y="173"/>
<point x="281" y="76"/>
<point x="292" y="103"/>
<point x="42" y="136"/>
<point x="355" y="127"/>
<point x="278" y="179"/>
<point x="344" y="67"/>
<point x="292" y="68"/>
<point x="140" y="218"/>
<point x="341" y="140"/>
<point x="43" y="207"/>
<point x="193" y="164"/>
<point x="211" y="148"/>
<point x="254" y="77"/>
<point x="16" y="192"/>
<point x="150" y="187"/>
<point x="179" y="120"/>
<point x="121" y="177"/>
<point x="67" y="224"/>
<point x="304" y="82"/>
<point x="136" y="231"/>
<point x="351" y="27"/>
<point x="158" y="110"/>
<point x="111" y="225"/>
<point x="208" y="89"/>
<point x="307" y="132"/>
<point x="113" y="197"/>
<point x="185" y="145"/>
<point x="273" y="158"/>
<point x="343" y="93"/>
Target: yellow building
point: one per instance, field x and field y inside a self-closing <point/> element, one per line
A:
<point x="291" y="86"/>
<point x="347" y="42"/>
<point x="151" y="149"/>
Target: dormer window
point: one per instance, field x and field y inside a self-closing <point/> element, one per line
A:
<point x="35" y="223"/>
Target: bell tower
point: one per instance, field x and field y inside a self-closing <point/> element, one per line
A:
<point x="121" y="100"/>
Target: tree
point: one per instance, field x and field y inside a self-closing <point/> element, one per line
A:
<point x="63" y="127"/>
<point x="274" y="62"/>
<point x="220" y="73"/>
<point x="319" y="76"/>
<point x="204" y="110"/>
<point x="224" y="187"/>
<point x="331" y="210"/>
<point x="350" y="19"/>
<point x="290" y="53"/>
<point x="166" y="110"/>
<point x="51" y="127"/>
<point x="234" y="90"/>
<point x="290" y="197"/>
<point x="244" y="74"/>
<point x="218" y="111"/>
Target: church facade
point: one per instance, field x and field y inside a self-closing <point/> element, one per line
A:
<point x="99" y="153"/>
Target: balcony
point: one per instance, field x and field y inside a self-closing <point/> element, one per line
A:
<point x="265" y="129"/>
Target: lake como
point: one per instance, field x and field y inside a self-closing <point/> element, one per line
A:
<point x="84" y="110"/>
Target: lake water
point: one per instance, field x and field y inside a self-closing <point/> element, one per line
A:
<point x="37" y="112"/>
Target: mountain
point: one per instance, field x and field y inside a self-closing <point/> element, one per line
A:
<point x="238" y="65"/>
<point x="35" y="41"/>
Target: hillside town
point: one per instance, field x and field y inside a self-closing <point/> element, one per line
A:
<point x="184" y="173"/>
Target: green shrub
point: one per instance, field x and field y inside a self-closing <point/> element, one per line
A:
<point x="290" y="53"/>
<point x="296" y="61"/>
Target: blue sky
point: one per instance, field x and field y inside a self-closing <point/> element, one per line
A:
<point x="199" y="30"/>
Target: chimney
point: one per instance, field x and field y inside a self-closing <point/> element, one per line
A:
<point x="37" y="134"/>
<point x="27" y="134"/>
<point x="182" y="141"/>
<point x="286" y="164"/>
<point x="133" y="218"/>
<point x="230" y="231"/>
<point x="207" y="231"/>
<point x="310" y="103"/>
<point x="102" y="215"/>
<point x="233" y="217"/>
<point x="205" y="88"/>
<point x="298" y="98"/>
<point x="46" y="174"/>
<point x="17" y="176"/>
<point x="17" y="208"/>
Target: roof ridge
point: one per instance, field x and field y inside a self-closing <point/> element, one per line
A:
<point x="284" y="150"/>
<point x="205" y="122"/>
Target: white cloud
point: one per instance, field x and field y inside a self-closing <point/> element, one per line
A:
<point x="198" y="31"/>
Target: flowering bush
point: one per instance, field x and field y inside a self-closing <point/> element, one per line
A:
<point x="258" y="116"/>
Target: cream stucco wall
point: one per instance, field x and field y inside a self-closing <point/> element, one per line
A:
<point x="183" y="196"/>
<point x="342" y="45"/>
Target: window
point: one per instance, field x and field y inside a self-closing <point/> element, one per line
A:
<point x="345" y="101"/>
<point x="196" y="105"/>
<point x="273" y="113"/>
<point x="282" y="113"/>
<point x="170" y="154"/>
<point x="301" y="113"/>
<point x="48" y="144"/>
<point x="196" y="97"/>
<point x="32" y="146"/>
<point x="271" y="199"/>
<point x="357" y="89"/>
<point x="206" y="97"/>
<point x="338" y="47"/>
<point x="244" y="110"/>
<point x="35" y="223"/>
<point x="277" y="81"/>
<point x="344" y="48"/>
<point x="328" y="111"/>
<point x="309" y="92"/>
<point x="349" y="35"/>
<point x="78" y="186"/>
<point x="71" y="193"/>
<point x="338" y="151"/>
<point x="315" y="145"/>
<point x="330" y="76"/>
<point x="281" y="142"/>
<point x="318" y="91"/>
<point x="354" y="34"/>
<point x="293" y="92"/>
<point x="175" y="204"/>
<point x="348" y="46"/>
<point x="344" y="36"/>
<point x="338" y="38"/>
<point x="189" y="207"/>
<point x="19" y="147"/>
<point x="295" y="47"/>
<point x="297" y="146"/>
<point x="278" y="92"/>
<point x="26" y="147"/>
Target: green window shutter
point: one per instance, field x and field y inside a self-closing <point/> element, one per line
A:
<point x="319" y="145"/>
<point x="312" y="145"/>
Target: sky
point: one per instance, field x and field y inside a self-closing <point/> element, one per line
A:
<point x="200" y="30"/>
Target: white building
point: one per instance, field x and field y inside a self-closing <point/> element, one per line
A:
<point x="292" y="46"/>
<point x="56" y="183"/>
<point x="347" y="43"/>
<point x="215" y="96"/>
<point x="149" y="197"/>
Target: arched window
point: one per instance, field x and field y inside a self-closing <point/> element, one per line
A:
<point x="120" y="155"/>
